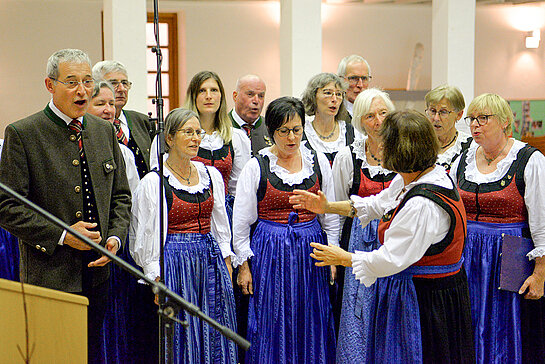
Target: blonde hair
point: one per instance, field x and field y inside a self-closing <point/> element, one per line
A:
<point x="451" y="93"/>
<point x="222" y="123"/>
<point x="494" y="104"/>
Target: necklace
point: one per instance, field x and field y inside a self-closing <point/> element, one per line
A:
<point x="179" y="175"/>
<point x="449" y="143"/>
<point x="326" y="137"/>
<point x="403" y="190"/>
<point x="379" y="161"/>
<point x="490" y="160"/>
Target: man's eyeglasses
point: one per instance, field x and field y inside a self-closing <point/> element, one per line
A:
<point x="353" y="80"/>
<point x="190" y="132"/>
<point x="443" y="113"/>
<point x="330" y="93"/>
<point x="72" y="84"/>
<point x="115" y="83"/>
<point x="284" y="132"/>
<point x="481" y="119"/>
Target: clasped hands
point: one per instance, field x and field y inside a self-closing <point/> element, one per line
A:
<point x="84" y="228"/>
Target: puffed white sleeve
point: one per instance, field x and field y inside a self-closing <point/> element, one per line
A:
<point x="130" y="167"/>
<point x="415" y="227"/>
<point x="245" y="211"/>
<point x="534" y="198"/>
<point x="330" y="222"/>
<point x="219" y="222"/>
<point x="144" y="229"/>
<point x="343" y="174"/>
<point x="373" y="207"/>
<point x="242" y="149"/>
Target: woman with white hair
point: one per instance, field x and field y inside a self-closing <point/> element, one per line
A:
<point x="358" y="170"/>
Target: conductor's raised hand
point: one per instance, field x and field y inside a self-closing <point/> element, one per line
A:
<point x="84" y="229"/>
<point x="330" y="255"/>
<point x="302" y="199"/>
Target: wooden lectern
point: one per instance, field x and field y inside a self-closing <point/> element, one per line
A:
<point x="56" y="321"/>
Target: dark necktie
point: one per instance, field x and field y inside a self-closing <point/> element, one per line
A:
<point x="119" y="132"/>
<point x="248" y="128"/>
<point x="75" y="125"/>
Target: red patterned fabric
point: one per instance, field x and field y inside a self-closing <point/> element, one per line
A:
<point x="224" y="166"/>
<point x="369" y="187"/>
<point x="187" y="217"/>
<point x="276" y="207"/>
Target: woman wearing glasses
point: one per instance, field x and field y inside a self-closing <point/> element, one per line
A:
<point x="323" y="99"/>
<point x="224" y="147"/>
<point x="197" y="246"/>
<point x="444" y="107"/>
<point x="289" y="318"/>
<point x="501" y="182"/>
<point x="357" y="170"/>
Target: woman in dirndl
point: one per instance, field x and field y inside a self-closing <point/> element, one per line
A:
<point x="418" y="309"/>
<point x="501" y="181"/>
<point x="197" y="250"/>
<point x="289" y="318"/>
<point x="357" y="170"/>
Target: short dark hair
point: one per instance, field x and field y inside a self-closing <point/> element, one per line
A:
<point x="409" y="141"/>
<point x="280" y="111"/>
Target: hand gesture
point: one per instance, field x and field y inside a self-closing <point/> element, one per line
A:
<point x="313" y="202"/>
<point x="113" y="246"/>
<point x="330" y="255"/>
<point x="84" y="229"/>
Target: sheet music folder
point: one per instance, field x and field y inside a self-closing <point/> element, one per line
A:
<point x="515" y="265"/>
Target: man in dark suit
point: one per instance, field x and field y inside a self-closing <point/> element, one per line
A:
<point x="69" y="163"/>
<point x="249" y="97"/>
<point x="133" y="128"/>
<point x="356" y="71"/>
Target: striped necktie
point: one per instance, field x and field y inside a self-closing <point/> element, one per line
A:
<point x="75" y="125"/>
<point x="247" y="128"/>
<point x="119" y="132"/>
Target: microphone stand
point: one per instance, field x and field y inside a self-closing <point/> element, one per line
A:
<point x="165" y="326"/>
<point x="174" y="300"/>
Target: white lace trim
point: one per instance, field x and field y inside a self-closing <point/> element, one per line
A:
<point x="536" y="253"/>
<point x="358" y="146"/>
<point x="204" y="179"/>
<point x="212" y="141"/>
<point x="472" y="173"/>
<point x="446" y="157"/>
<point x="325" y="146"/>
<point x="240" y="258"/>
<point x="282" y="173"/>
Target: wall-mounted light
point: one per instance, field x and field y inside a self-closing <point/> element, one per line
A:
<point x="533" y="38"/>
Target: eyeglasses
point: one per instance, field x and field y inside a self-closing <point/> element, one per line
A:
<point x="330" y="93"/>
<point x="72" y="84"/>
<point x="380" y="114"/>
<point x="443" y="113"/>
<point x="481" y="119"/>
<point x="353" y="80"/>
<point x="284" y="132"/>
<point x="190" y="132"/>
<point x="115" y="83"/>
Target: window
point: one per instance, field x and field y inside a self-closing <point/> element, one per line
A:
<point x="168" y="37"/>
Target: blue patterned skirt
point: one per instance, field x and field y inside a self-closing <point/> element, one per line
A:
<point x="496" y="314"/>
<point x="352" y="331"/>
<point x="196" y="270"/>
<point x="9" y="256"/>
<point x="290" y="318"/>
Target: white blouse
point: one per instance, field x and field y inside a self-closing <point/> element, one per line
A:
<point x="130" y="167"/>
<point x="449" y="154"/>
<point x="534" y="195"/>
<point x="245" y="208"/>
<point x="418" y="225"/>
<point x="328" y="146"/>
<point x="144" y="229"/>
<point x="241" y="147"/>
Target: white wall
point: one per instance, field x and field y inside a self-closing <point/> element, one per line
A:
<point x="31" y="31"/>
<point x="234" y="38"/>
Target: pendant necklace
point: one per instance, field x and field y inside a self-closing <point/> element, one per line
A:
<point x="179" y="175"/>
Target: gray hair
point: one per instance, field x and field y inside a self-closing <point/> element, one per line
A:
<point x="354" y="58"/>
<point x="104" y="67"/>
<point x="175" y="120"/>
<point x="65" y="55"/>
<point x="100" y="85"/>
<point x="317" y="82"/>
<point x="362" y="105"/>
